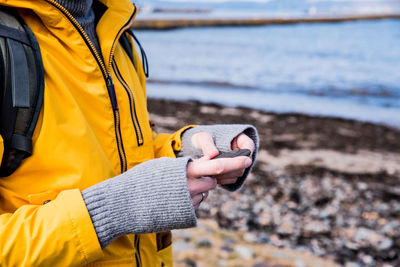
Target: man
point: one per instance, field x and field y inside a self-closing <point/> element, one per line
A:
<point x="101" y="188"/>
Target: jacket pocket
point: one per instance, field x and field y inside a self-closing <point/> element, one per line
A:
<point x="164" y="239"/>
<point x="42" y="197"/>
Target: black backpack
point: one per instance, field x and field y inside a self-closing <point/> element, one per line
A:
<point x="22" y="86"/>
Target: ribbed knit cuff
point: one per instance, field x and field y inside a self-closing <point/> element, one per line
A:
<point x="151" y="197"/>
<point x="223" y="135"/>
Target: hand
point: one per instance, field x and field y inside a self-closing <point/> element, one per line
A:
<point x="205" y="142"/>
<point x="202" y="174"/>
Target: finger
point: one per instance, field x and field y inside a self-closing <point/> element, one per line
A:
<point x="204" y="158"/>
<point x="242" y="141"/>
<point x="205" y="142"/>
<point x="203" y="184"/>
<point x="230" y="175"/>
<point x="227" y="181"/>
<point x="198" y="199"/>
<point x="217" y="166"/>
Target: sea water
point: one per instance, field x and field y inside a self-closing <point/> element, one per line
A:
<point x="349" y="69"/>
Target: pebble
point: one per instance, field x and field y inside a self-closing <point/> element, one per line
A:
<point x="276" y="241"/>
<point x="244" y="252"/>
<point x="385" y="244"/>
<point x="299" y="263"/>
<point x="204" y="243"/>
<point x="280" y="255"/>
<point x="288" y="225"/>
<point x="181" y="246"/>
<point x="229" y="240"/>
<point x="352" y="264"/>
<point x="189" y="263"/>
<point x="227" y="248"/>
<point x="314" y="227"/>
<point x="328" y="215"/>
<point x="367" y="237"/>
<point x="222" y="263"/>
<point x="250" y="237"/>
<point x="367" y="259"/>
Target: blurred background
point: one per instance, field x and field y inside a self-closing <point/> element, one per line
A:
<point x="325" y="98"/>
<point x="348" y="69"/>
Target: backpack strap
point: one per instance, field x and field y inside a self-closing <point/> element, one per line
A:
<point x="127" y="47"/>
<point x="22" y="87"/>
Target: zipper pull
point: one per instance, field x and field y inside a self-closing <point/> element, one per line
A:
<point x="111" y="91"/>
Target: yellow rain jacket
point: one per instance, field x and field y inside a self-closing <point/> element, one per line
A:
<point x="80" y="140"/>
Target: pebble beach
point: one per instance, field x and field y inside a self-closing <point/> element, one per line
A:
<point x="324" y="192"/>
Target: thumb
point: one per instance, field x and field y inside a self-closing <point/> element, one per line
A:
<point x="205" y="142"/>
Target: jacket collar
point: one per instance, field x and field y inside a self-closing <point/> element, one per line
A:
<point x="113" y="16"/>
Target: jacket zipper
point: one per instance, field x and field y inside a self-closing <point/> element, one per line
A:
<point x="137" y="252"/>
<point x="138" y="131"/>
<point x="106" y="74"/>
<point x="114" y="104"/>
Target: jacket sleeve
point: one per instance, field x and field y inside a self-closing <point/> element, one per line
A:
<point x="166" y="145"/>
<point x="53" y="234"/>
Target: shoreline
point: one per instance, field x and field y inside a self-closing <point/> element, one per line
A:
<point x="325" y="186"/>
<point x="168" y="24"/>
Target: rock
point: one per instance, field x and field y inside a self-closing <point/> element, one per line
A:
<point x="280" y="255"/>
<point x="367" y="259"/>
<point x="362" y="186"/>
<point x="314" y="227"/>
<point x="385" y="244"/>
<point x="276" y="241"/>
<point x="227" y="248"/>
<point x="316" y="247"/>
<point x="263" y="239"/>
<point x="352" y="264"/>
<point x="391" y="228"/>
<point x="250" y="238"/>
<point x="244" y="252"/>
<point x="264" y="219"/>
<point x="222" y="263"/>
<point x="366" y="237"/>
<point x="351" y="245"/>
<point x="229" y="210"/>
<point x="259" y="207"/>
<point x="288" y="225"/>
<point x="179" y="246"/>
<point x="299" y="263"/>
<point x="328" y="211"/>
<point x="229" y="240"/>
<point x="203" y="243"/>
<point x="189" y="263"/>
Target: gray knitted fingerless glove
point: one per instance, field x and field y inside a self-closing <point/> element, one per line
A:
<point x="223" y="135"/>
<point x="151" y="197"/>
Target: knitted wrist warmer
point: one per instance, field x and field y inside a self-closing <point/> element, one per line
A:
<point x="151" y="197"/>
